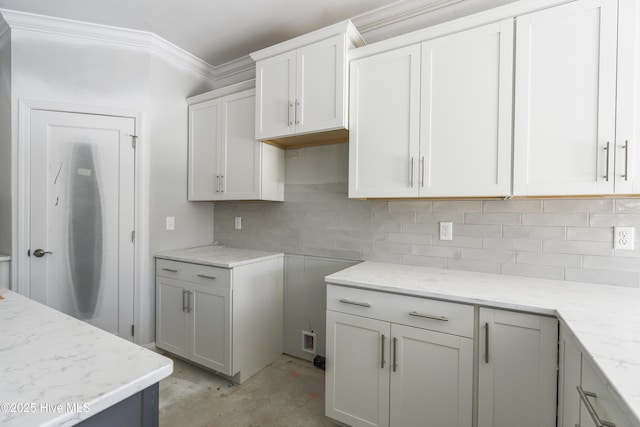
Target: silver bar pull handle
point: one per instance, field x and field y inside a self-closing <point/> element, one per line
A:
<point x="382" y="362"/>
<point x="429" y="316"/>
<point x="395" y="360"/>
<point x="222" y="183"/>
<point x="297" y="111"/>
<point x="204" y="276"/>
<point x="361" y="304"/>
<point x="422" y="171"/>
<point x="584" y="396"/>
<point x="217" y="183"/>
<point x="185" y="300"/>
<point x="626" y="161"/>
<point x="411" y="171"/>
<point x="190" y="295"/>
<point x="290" y="106"/>
<point x="606" y="176"/>
<point x="170" y="270"/>
<point x="486" y="342"/>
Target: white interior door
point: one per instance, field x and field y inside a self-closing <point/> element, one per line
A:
<point x="82" y="217"/>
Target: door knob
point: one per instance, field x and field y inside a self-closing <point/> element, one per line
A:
<point x="40" y="253"/>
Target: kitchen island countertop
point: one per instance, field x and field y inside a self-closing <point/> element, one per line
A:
<point x="604" y="319"/>
<point x="56" y="370"/>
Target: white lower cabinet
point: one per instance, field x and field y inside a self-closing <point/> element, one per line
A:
<point x="585" y="400"/>
<point x="396" y="360"/>
<point x="389" y="362"/>
<point x="226" y="319"/>
<point x="517" y="370"/>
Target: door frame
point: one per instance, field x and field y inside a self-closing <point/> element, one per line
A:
<point x="20" y="261"/>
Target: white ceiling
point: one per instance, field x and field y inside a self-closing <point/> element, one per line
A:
<point x="216" y="31"/>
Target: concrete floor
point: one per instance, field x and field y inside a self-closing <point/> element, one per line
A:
<point x="289" y="392"/>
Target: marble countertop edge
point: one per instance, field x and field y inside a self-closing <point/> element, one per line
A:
<point x="217" y="256"/>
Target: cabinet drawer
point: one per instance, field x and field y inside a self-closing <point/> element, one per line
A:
<point x="194" y="273"/>
<point x="441" y="316"/>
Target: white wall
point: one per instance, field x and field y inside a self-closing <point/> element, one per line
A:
<point x="87" y="72"/>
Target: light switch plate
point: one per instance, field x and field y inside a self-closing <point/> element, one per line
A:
<point x="623" y="238"/>
<point x="238" y="223"/>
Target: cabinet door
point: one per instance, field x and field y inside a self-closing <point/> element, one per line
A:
<point x="321" y="95"/>
<point x="569" y="377"/>
<point x="357" y="381"/>
<point x="275" y="96"/>
<point x="210" y="327"/>
<point x="627" y="174"/>
<point x="465" y="135"/>
<point x="431" y="378"/>
<point x="384" y="124"/>
<point x="240" y="151"/>
<point x="171" y="316"/>
<point x="565" y="99"/>
<point x="517" y="371"/>
<point x="205" y="133"/>
<point x="603" y="403"/>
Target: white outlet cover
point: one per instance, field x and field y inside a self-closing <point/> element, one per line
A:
<point x="446" y="231"/>
<point x="624" y="238"/>
<point x="171" y="223"/>
<point x="238" y="223"/>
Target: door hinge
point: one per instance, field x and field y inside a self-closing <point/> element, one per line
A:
<point x="134" y="141"/>
<point x="133" y="329"/>
<point x="133" y="236"/>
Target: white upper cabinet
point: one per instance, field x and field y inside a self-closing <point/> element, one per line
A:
<point x="384" y="136"/>
<point x="575" y="93"/>
<point x="226" y="162"/>
<point x="465" y="132"/>
<point x="302" y="83"/>
<point x="434" y="119"/>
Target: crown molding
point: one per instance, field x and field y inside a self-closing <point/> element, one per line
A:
<point x="103" y="33"/>
<point x="398" y="12"/>
<point x="235" y="66"/>
<point x="4" y="27"/>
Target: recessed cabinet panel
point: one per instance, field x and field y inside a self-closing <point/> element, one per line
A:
<point x="565" y="100"/>
<point x="241" y="151"/>
<point x="384" y="124"/>
<point x="357" y="370"/>
<point x="517" y="370"/>
<point x="431" y="378"/>
<point x="171" y="331"/>
<point x="465" y="136"/>
<point x="211" y="328"/>
<point x="321" y="90"/>
<point x="275" y="100"/>
<point x="205" y="133"/>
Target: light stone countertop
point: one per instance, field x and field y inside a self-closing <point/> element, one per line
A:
<point x="605" y="320"/>
<point x="217" y="256"/>
<point x="48" y="359"/>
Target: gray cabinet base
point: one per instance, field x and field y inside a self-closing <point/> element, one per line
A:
<point x="139" y="410"/>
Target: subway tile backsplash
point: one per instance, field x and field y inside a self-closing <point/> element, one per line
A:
<point x="562" y="239"/>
